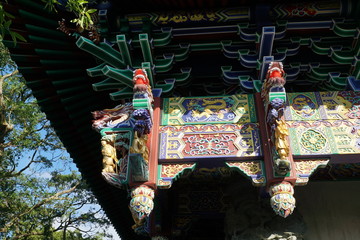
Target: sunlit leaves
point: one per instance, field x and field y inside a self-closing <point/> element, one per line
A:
<point x="80" y="9"/>
<point x="5" y="24"/>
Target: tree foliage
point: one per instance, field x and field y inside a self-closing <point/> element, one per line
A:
<point x="38" y="199"/>
<point x="5" y="23"/>
<point x="79" y="8"/>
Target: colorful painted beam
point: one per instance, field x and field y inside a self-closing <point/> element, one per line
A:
<point x="168" y="173"/>
<point x="255" y="170"/>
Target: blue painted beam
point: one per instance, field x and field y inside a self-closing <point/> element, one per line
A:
<point x="353" y="83"/>
<point x="264" y="66"/>
<point x="266" y="42"/>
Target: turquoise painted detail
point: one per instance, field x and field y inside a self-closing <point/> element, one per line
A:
<point x="95" y="71"/>
<point x="126" y="92"/>
<point x="145" y="48"/>
<point x="123" y="76"/>
<point x="107" y="84"/>
<point x="124" y="49"/>
<point x="102" y="51"/>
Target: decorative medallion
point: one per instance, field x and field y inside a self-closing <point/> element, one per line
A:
<point x="303" y="106"/>
<point x="313" y="140"/>
<point x="311" y="137"/>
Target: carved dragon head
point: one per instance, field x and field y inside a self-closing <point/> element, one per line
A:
<point x="140" y="77"/>
<point x="275" y="66"/>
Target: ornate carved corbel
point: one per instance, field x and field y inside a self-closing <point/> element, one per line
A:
<point x="282" y="200"/>
<point x="274" y="97"/>
<point x="141" y="205"/>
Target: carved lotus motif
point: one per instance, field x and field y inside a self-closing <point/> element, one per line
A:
<point x="313" y="141"/>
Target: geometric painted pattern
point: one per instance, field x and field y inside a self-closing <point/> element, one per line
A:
<point x="253" y="169"/>
<point x="170" y="172"/>
<point x="305" y="167"/>
<point x="209" y="141"/>
<point x="325" y="137"/>
<point x="208" y="110"/>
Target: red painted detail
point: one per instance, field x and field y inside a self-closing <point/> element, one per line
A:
<point x="209" y="144"/>
<point x="276" y="74"/>
<point x="140" y="77"/>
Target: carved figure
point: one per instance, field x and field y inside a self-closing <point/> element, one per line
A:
<point x="281" y="166"/>
<point x="139" y="146"/>
<point x="143" y="122"/>
<point x="142" y="88"/>
<point x="112" y="117"/>
<point x="275" y="113"/>
<point x="273" y="94"/>
<point x="109" y="154"/>
<point x="281" y="142"/>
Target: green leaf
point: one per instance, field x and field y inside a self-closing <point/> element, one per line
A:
<point x="19" y="36"/>
<point x="7" y="24"/>
<point x="8" y="15"/>
<point x="92" y="10"/>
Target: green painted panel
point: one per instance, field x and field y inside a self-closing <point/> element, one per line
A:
<point x="325" y="137"/>
<point x="302" y="106"/>
<point x="335" y="105"/>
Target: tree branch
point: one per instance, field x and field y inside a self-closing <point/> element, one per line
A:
<point x="28" y="165"/>
<point x="39" y="204"/>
